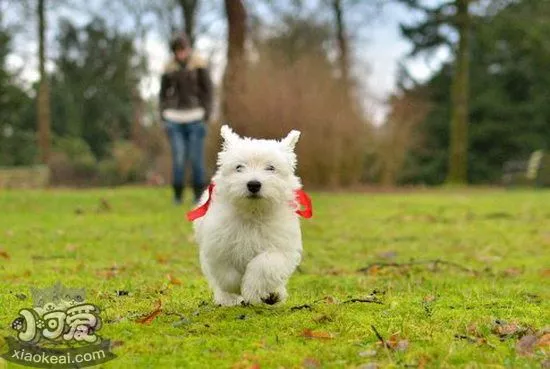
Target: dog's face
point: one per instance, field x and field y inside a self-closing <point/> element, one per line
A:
<point x="252" y="172"/>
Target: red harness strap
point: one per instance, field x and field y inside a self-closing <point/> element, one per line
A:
<point x="304" y="201"/>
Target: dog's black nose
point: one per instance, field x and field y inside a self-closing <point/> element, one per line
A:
<point x="254" y="186"/>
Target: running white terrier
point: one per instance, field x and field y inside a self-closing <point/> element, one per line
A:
<point x="247" y="226"/>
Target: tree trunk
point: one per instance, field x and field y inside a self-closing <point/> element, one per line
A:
<point x="343" y="47"/>
<point x="189" y="12"/>
<point x="43" y="98"/>
<point x="458" y="155"/>
<point x="234" y="71"/>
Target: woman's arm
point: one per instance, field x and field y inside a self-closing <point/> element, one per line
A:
<point x="206" y="92"/>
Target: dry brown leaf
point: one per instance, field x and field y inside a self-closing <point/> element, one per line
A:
<point x="396" y="343"/>
<point x="330" y="300"/>
<point x="526" y="345"/>
<point x="544" y="340"/>
<point x="152" y="315"/>
<point x="506" y="329"/>
<point x="173" y="280"/>
<point x="115" y="344"/>
<point x="374" y="270"/>
<point x="162" y="259"/>
<point x="4" y="254"/>
<point x="422" y="361"/>
<point x="110" y="272"/>
<point x="545" y="273"/>
<point x="429" y="298"/>
<point x="308" y="333"/>
<point x="472" y="329"/>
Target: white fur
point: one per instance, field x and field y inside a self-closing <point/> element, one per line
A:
<point x="249" y="247"/>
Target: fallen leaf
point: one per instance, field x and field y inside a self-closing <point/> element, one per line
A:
<point x="173" y="280"/>
<point x="396" y="343"/>
<point x="103" y="205"/>
<point x="422" y="361"/>
<point x="330" y="300"/>
<point x="162" y="259"/>
<point x="308" y="333"/>
<point x="505" y="330"/>
<point x="116" y="344"/>
<point x="151" y="316"/>
<point x="429" y="298"/>
<point x="472" y="329"/>
<point x="311" y="363"/>
<point x="4" y="254"/>
<point x="374" y="270"/>
<point x="526" y="345"/>
<point x="544" y="340"/>
<point x="335" y="271"/>
<point x="109" y="273"/>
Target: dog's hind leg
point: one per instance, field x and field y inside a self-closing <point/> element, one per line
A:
<point x="266" y="277"/>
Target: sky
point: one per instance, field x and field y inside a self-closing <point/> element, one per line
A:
<point x="378" y="52"/>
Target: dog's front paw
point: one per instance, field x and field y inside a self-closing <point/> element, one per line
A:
<point x="269" y="298"/>
<point x="222" y="298"/>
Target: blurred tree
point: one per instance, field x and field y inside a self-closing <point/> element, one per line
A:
<point x="510" y="114"/>
<point x="189" y="10"/>
<point x="233" y="83"/>
<point x="17" y="124"/>
<point x="431" y="33"/>
<point x="342" y="41"/>
<point x="95" y="83"/>
<point x="43" y="96"/>
<point x="400" y="134"/>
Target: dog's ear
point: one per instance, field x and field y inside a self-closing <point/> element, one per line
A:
<point x="291" y="139"/>
<point x="228" y="135"/>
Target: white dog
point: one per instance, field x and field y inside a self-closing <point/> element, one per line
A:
<point x="247" y="227"/>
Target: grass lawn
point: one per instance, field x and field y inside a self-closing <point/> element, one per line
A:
<point x="431" y="315"/>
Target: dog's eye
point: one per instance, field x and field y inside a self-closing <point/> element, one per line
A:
<point x="239" y="168"/>
<point x="270" y="168"/>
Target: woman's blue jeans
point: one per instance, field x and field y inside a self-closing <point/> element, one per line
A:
<point x="187" y="143"/>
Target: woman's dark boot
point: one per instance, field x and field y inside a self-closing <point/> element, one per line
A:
<point x="178" y="193"/>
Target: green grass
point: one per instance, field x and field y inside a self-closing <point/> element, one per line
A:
<point x="503" y="236"/>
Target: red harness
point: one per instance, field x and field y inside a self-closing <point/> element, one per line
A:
<point x="302" y="198"/>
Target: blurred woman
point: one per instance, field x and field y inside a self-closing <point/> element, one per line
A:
<point x="185" y="107"/>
